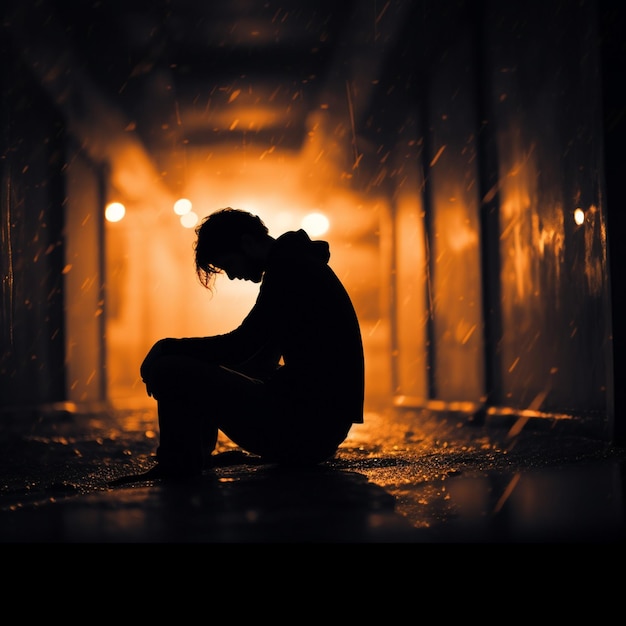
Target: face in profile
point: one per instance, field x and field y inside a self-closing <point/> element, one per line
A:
<point x="240" y="266"/>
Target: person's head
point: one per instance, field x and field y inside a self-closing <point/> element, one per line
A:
<point x="231" y="241"/>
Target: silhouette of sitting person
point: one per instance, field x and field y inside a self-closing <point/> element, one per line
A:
<point x="288" y="383"/>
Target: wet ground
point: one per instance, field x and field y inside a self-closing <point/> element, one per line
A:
<point x="415" y="478"/>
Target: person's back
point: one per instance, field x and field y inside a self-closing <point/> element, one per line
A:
<point x="316" y="327"/>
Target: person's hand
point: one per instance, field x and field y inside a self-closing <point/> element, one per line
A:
<point x="146" y="367"/>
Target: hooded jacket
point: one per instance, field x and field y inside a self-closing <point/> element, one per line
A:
<point x="304" y="316"/>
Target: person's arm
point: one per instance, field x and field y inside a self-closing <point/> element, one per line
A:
<point x="230" y="349"/>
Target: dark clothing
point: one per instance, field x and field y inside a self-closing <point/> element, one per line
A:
<point x="302" y="315"/>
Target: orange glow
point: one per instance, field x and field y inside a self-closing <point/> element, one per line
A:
<point x="189" y="220"/>
<point x="150" y="273"/>
<point x="253" y="116"/>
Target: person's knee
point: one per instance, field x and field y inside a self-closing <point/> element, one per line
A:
<point x="176" y="376"/>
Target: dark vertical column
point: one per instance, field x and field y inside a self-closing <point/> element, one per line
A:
<point x="54" y="277"/>
<point x="489" y="212"/>
<point x="393" y="294"/>
<point x="103" y="175"/>
<point x="6" y="250"/>
<point x="32" y="353"/>
<point x="424" y="112"/>
<point x="613" y="66"/>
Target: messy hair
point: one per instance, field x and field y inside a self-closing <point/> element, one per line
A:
<point x="220" y="233"/>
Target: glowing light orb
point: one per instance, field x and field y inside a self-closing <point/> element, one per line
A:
<point x="114" y="212"/>
<point x="315" y="224"/>
<point x="182" y="206"/>
<point x="189" y="220"/>
<point x="579" y="216"/>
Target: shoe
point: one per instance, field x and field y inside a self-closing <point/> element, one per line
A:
<point x="155" y="473"/>
<point x="232" y="457"/>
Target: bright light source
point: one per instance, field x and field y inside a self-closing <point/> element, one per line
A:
<point x="315" y="224"/>
<point x="189" y="220"/>
<point x="579" y="216"/>
<point x="182" y="206"/>
<point x="114" y="212"/>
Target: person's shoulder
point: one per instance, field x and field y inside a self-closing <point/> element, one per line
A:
<point x="293" y="237"/>
<point x="297" y="245"/>
<point x="292" y="243"/>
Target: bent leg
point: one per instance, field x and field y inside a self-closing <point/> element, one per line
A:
<point x="196" y="399"/>
<point x="192" y="397"/>
<point x="283" y="431"/>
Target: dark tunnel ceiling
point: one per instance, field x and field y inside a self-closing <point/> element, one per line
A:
<point x="155" y="77"/>
<point x="174" y="68"/>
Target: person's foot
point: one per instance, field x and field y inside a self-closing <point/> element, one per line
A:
<point x="232" y="457"/>
<point x="158" y="472"/>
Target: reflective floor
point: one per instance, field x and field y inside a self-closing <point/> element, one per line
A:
<point x="397" y="479"/>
